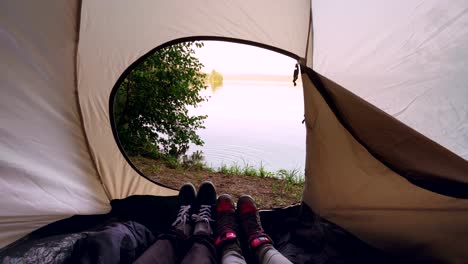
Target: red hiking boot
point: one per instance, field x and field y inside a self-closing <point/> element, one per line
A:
<point x="225" y="225"/>
<point x="250" y="222"/>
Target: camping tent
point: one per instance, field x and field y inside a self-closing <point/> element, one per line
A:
<point x="385" y="96"/>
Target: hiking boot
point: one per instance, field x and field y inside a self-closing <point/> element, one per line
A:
<point x="225" y="225"/>
<point x="182" y="225"/>
<point x="206" y="199"/>
<point x="249" y="220"/>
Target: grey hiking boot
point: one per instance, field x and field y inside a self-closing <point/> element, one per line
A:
<point x="206" y="200"/>
<point x="182" y="225"/>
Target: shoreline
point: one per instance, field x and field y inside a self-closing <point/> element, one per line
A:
<point x="268" y="191"/>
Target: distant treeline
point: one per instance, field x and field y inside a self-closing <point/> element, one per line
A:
<point x="215" y="79"/>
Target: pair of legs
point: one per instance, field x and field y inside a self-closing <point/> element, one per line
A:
<point x="166" y="251"/>
<point x="244" y="221"/>
<point x="190" y="239"/>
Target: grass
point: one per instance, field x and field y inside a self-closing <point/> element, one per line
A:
<point x="231" y="170"/>
<point x="270" y="189"/>
<point x="263" y="173"/>
<point x="289" y="176"/>
<point x="289" y="179"/>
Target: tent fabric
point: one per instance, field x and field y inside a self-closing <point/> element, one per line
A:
<point x="348" y="186"/>
<point x="399" y="147"/>
<point x="113" y="36"/>
<point x="61" y="60"/>
<point x="408" y="58"/>
<point x="46" y="170"/>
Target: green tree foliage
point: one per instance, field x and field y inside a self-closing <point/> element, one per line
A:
<point x="215" y="79"/>
<point x="150" y="106"/>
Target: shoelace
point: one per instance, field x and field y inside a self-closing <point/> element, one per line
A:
<point x="182" y="216"/>
<point x="203" y="215"/>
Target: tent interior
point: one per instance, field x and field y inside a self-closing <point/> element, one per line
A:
<point x="386" y="116"/>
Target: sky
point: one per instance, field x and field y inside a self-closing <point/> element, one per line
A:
<point x="232" y="58"/>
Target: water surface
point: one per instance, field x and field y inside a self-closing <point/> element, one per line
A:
<point x="254" y="123"/>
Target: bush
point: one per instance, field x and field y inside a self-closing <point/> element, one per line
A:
<point x="150" y="106"/>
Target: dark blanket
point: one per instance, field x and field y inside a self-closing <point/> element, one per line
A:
<point x="117" y="242"/>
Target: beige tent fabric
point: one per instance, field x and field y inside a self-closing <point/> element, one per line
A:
<point x="115" y="34"/>
<point x="52" y="77"/>
<point x="46" y="172"/>
<point x="403" y="148"/>
<point x="407" y="57"/>
<point x="347" y="185"/>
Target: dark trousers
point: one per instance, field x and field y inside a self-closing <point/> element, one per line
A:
<point x="171" y="249"/>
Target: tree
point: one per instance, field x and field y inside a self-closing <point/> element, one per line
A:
<point x="150" y="106"/>
<point x="215" y="79"/>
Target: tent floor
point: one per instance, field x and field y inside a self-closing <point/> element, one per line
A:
<point x="299" y="234"/>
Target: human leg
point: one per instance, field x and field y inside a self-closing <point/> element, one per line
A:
<point x="259" y="242"/>
<point x="225" y="230"/>
<point x="161" y="252"/>
<point x="202" y="249"/>
<point x="168" y="247"/>
<point x="232" y="254"/>
<point x="267" y="254"/>
<point x="201" y="253"/>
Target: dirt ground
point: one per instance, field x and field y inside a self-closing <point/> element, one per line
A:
<point x="268" y="192"/>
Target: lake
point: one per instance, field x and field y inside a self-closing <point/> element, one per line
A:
<point x="253" y="122"/>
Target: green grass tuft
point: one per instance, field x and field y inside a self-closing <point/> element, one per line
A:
<point x="235" y="170"/>
<point x="250" y="171"/>
<point x="289" y="176"/>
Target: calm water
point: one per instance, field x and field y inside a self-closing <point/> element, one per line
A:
<point x="254" y="122"/>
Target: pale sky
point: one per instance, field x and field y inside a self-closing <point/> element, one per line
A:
<point x="233" y="58"/>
